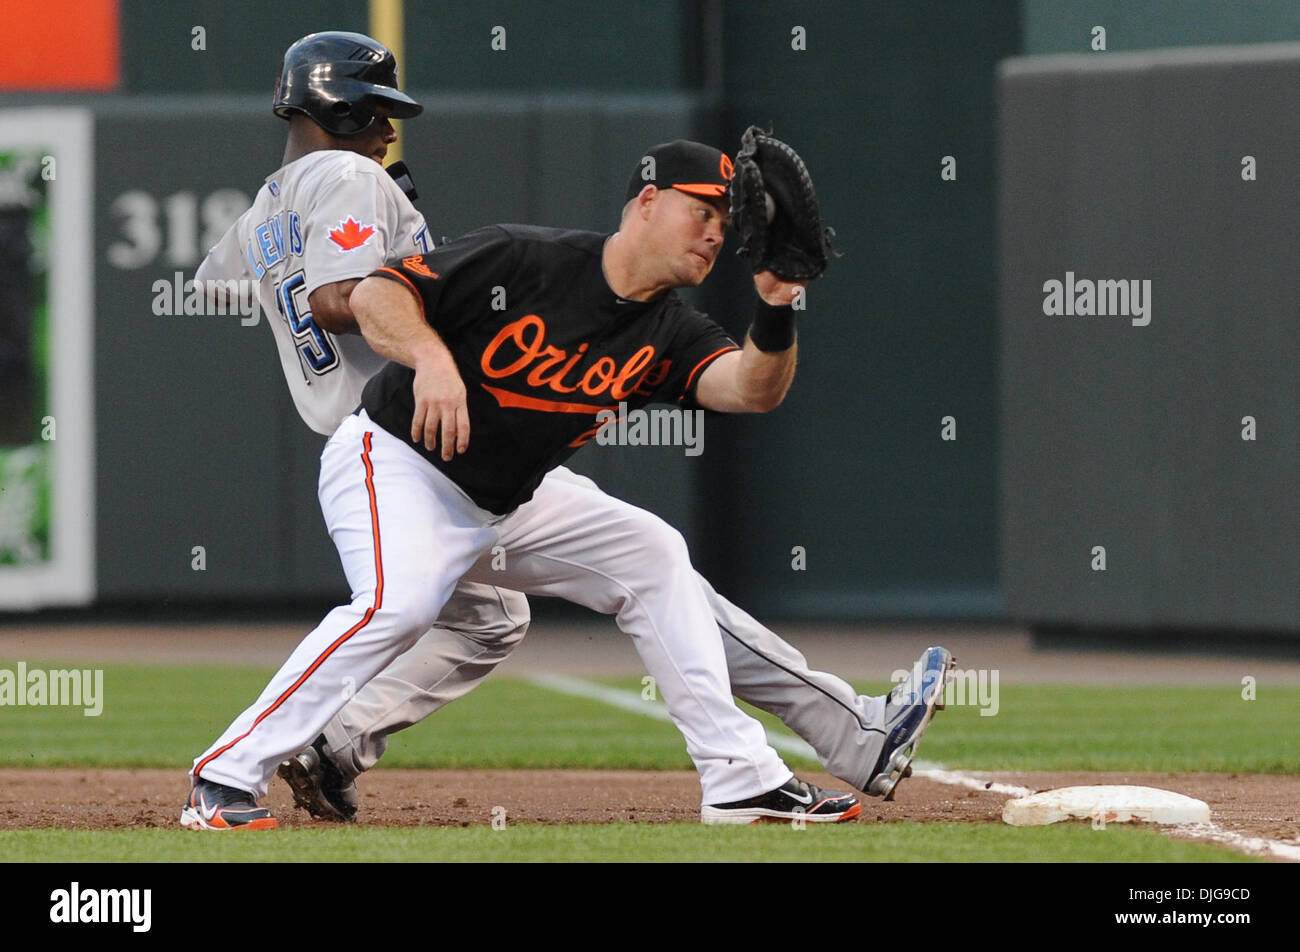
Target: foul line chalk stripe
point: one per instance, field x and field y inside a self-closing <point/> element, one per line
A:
<point x="1213" y="832"/>
<point x="794" y="746"/>
<point x="928" y="771"/>
<point x="632" y="701"/>
<point x="1255" y="845"/>
<point x="365" y="620"/>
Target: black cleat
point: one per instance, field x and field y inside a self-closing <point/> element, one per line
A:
<point x="318" y="785"/>
<point x="793" y="800"/>
<point x="214" y="806"/>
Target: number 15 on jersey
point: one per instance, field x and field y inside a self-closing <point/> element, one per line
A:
<point x="315" y="346"/>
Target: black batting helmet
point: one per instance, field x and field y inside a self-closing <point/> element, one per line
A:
<point x="338" y="79"/>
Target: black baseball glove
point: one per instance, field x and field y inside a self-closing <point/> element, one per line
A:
<point x="775" y="209"/>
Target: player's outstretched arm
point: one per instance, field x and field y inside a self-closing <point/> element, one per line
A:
<point x="330" y="307"/>
<point x="224" y="263"/>
<point x="392" y="321"/>
<point x="756" y="378"/>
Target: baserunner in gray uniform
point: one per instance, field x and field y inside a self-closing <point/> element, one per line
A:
<point x="327" y="218"/>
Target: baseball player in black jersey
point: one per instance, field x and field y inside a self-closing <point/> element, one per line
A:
<point x="588" y="323"/>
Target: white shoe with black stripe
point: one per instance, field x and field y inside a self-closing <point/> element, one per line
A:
<point x="793" y="800"/>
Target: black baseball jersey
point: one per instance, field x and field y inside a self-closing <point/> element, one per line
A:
<point x="543" y="345"/>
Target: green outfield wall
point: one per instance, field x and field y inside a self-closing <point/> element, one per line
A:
<point x="1150" y="449"/>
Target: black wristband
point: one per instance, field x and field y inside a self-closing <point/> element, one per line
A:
<point x="773" y="327"/>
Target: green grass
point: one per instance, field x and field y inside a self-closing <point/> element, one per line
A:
<point x="165" y="716"/>
<point x="679" y="842"/>
<point x="1137" y="728"/>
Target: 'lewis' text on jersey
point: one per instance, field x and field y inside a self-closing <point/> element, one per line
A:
<point x="267" y="246"/>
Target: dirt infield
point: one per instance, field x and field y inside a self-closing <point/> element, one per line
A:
<point x="77" y="798"/>
<point x="1263" y="806"/>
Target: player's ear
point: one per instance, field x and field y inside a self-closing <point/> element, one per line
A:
<point x="645" y="200"/>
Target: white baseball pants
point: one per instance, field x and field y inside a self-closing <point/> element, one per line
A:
<point x="846" y="729"/>
<point x="406" y="535"/>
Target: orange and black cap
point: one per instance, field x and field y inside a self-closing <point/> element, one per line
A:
<point x="691" y="167"/>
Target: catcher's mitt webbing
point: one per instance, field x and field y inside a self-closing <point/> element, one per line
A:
<point x="771" y="178"/>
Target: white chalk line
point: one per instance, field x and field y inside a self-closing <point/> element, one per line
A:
<point x="632" y="701"/>
<point x="956" y="778"/>
<point x="794" y="746"/>
<point x="1254" y="845"/>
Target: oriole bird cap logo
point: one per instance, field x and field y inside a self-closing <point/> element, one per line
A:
<point x="691" y="167"/>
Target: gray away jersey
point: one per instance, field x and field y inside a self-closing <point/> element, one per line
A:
<point x="328" y="216"/>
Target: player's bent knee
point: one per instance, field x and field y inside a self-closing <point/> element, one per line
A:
<point x="493" y="617"/>
<point x="407" y="617"/>
<point x="511" y="624"/>
<point x="503" y="631"/>
<point x="661" y="541"/>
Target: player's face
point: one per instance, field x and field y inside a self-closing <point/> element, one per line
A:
<point x="691" y="231"/>
<point x="374" y="140"/>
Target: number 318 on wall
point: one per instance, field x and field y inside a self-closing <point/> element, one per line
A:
<point x="182" y="233"/>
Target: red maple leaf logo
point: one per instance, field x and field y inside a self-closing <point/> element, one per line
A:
<point x="351" y="234"/>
